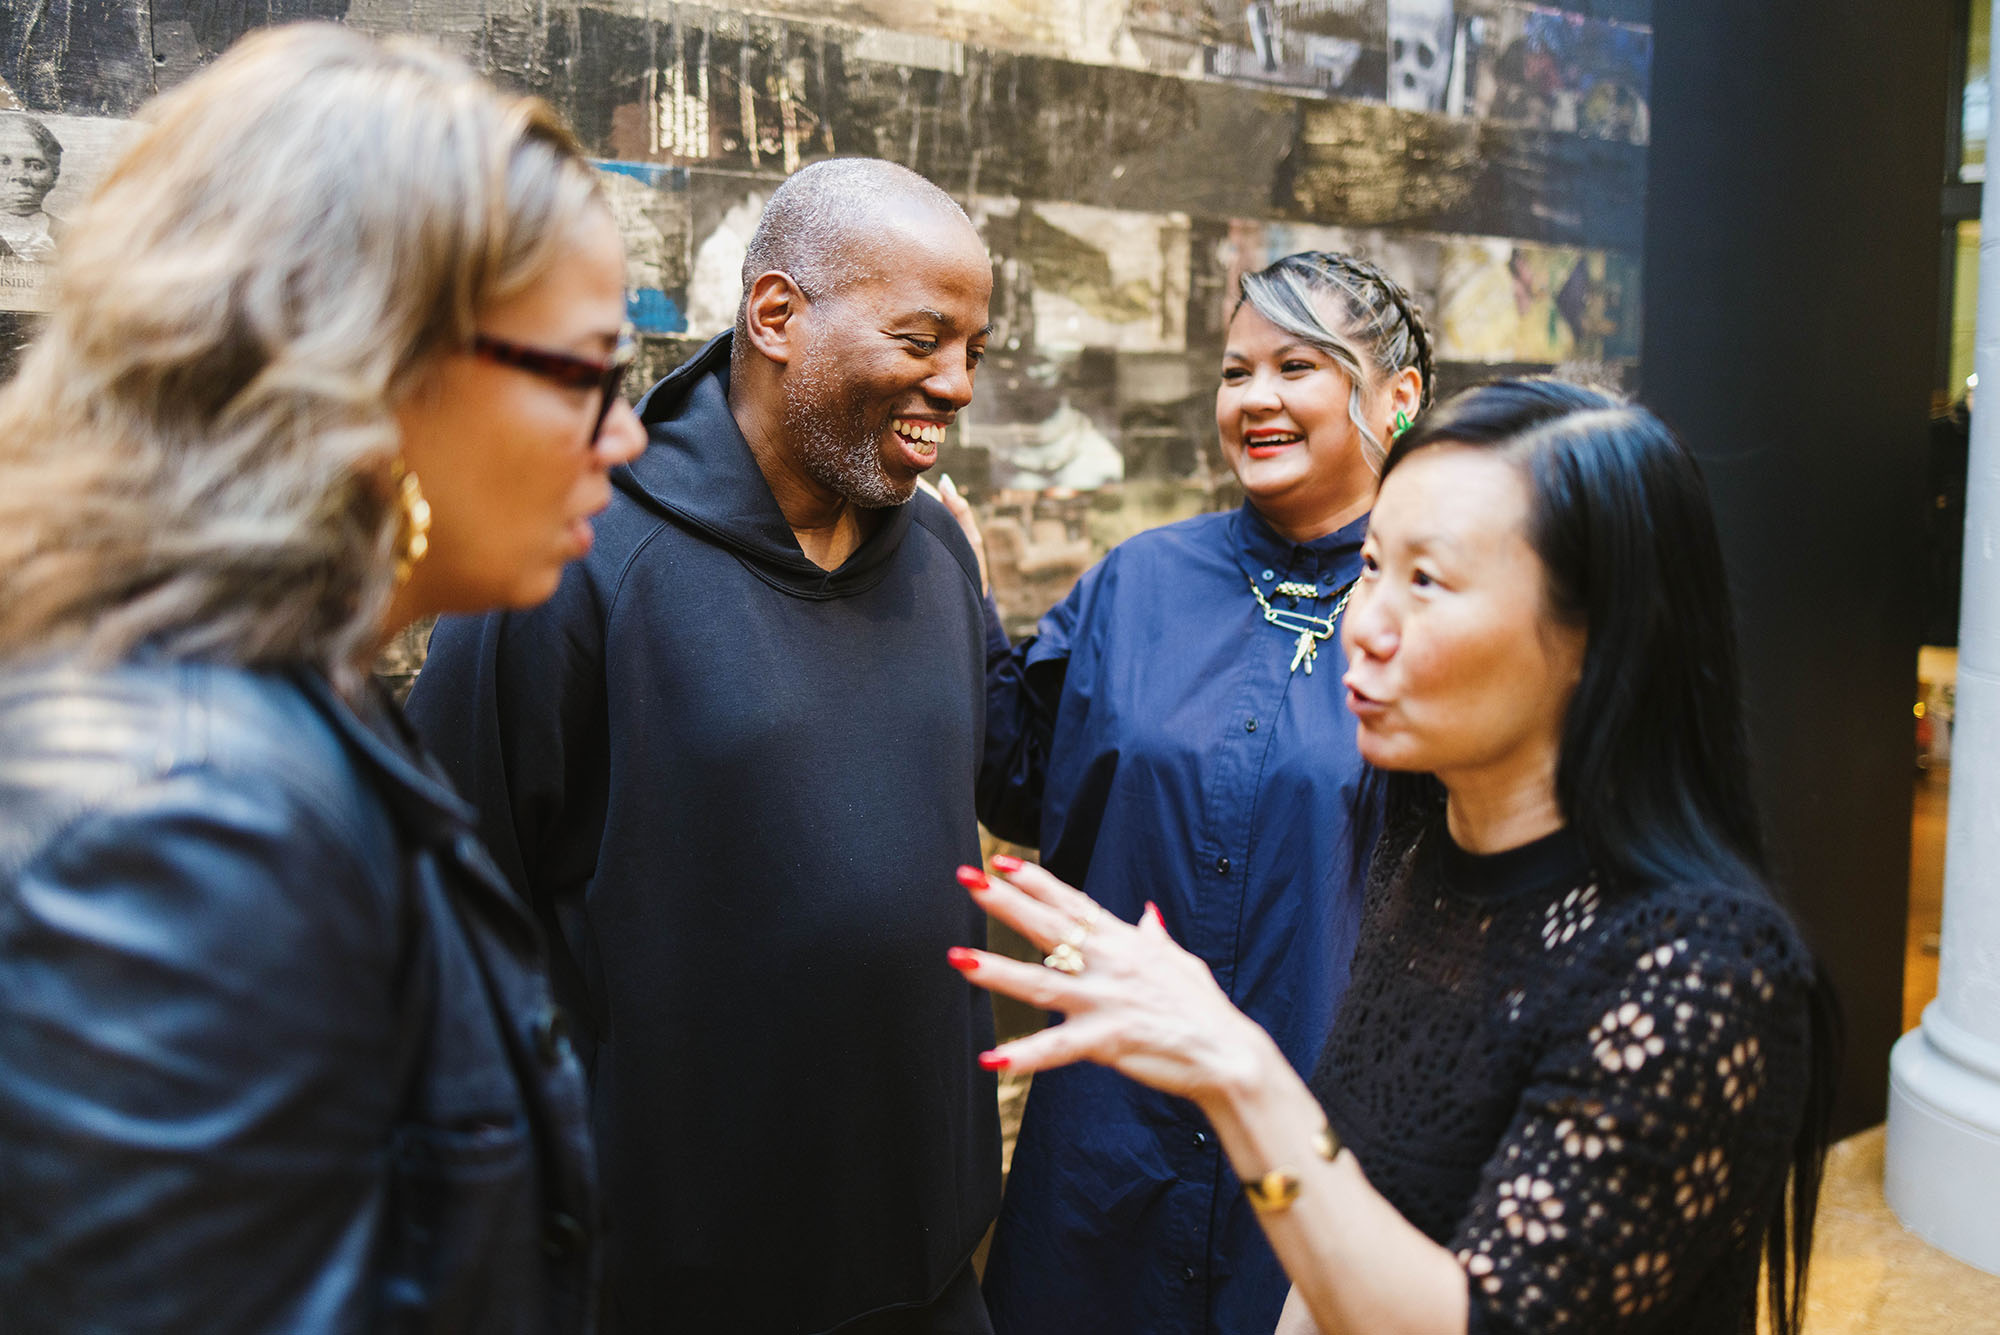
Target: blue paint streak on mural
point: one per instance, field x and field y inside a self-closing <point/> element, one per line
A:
<point x="652" y="311"/>
<point x="650" y="173"/>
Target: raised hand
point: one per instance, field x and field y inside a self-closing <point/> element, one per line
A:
<point x="1131" y="998"/>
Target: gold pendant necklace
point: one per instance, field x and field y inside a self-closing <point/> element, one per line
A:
<point x="1311" y="630"/>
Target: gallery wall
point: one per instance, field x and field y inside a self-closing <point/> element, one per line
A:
<point x="1125" y="160"/>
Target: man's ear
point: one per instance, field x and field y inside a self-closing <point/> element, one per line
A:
<point x="771" y="313"/>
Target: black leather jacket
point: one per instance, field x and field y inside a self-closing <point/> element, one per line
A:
<point x="276" y="1048"/>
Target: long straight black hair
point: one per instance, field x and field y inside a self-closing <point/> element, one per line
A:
<point x="1653" y="771"/>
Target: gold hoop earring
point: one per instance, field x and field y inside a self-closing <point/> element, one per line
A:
<point x="413" y="522"/>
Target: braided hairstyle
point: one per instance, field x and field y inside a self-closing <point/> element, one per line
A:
<point x="1381" y="331"/>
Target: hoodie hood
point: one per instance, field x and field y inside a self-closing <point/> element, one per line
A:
<point x="697" y="469"/>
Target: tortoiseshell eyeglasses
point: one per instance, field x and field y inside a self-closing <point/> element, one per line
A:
<point x="566" y="369"/>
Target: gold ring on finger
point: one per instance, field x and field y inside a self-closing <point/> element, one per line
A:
<point x="1080" y="930"/>
<point x="1065" y="958"/>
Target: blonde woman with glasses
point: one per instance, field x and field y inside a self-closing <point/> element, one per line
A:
<point x="338" y="345"/>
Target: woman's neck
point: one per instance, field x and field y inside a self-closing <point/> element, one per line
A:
<point x="1491" y="811"/>
<point x="1302" y="529"/>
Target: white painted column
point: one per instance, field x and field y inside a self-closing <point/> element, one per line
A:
<point x="1943" y="1171"/>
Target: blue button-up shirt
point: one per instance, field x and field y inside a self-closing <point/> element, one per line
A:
<point x="1155" y="742"/>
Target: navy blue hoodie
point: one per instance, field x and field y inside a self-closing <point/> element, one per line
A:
<point x="735" y="787"/>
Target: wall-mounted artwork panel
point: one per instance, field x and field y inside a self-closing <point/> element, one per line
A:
<point x="761" y="95"/>
<point x="1126" y="162"/>
<point x="1502" y="302"/>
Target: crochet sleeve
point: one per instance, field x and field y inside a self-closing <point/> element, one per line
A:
<point x="1654" y="1133"/>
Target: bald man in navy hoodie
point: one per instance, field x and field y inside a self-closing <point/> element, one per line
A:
<point x="731" y="765"/>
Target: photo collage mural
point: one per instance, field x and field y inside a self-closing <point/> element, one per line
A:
<point x="1125" y="160"/>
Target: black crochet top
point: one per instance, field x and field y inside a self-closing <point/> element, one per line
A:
<point x="1589" y="1097"/>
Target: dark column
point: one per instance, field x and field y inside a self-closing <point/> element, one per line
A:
<point x="1791" y="253"/>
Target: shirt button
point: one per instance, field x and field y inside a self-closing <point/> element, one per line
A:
<point x="1222" y="866"/>
<point x="1187" y="1273"/>
<point x="551" y="1030"/>
<point x="1270" y="574"/>
<point x="1249" y="725"/>
<point x="1201" y="1140"/>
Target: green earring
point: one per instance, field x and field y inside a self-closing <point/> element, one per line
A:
<point x="1402" y="422"/>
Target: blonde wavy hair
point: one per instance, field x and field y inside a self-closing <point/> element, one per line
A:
<point x="196" y="452"/>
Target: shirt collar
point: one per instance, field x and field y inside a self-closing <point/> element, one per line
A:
<point x="414" y="788"/>
<point x="1261" y="548"/>
<point x="419" y="796"/>
<point x="1555" y="862"/>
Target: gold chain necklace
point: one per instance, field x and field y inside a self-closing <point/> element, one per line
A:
<point x="1311" y="630"/>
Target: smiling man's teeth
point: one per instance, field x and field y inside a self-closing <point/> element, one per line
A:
<point x="927" y="433"/>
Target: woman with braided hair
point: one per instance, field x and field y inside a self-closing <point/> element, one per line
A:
<point x="1175" y="732"/>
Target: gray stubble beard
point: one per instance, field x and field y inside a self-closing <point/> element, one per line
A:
<point x="836" y="447"/>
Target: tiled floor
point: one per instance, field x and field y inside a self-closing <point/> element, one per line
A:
<point x="1869" y="1277"/>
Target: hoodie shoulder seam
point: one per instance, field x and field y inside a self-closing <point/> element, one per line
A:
<point x="660" y="524"/>
<point x="961" y="552"/>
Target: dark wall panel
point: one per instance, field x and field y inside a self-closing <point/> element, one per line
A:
<point x="1790" y="330"/>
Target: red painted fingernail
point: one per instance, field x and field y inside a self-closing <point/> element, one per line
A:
<point x="994" y="1061"/>
<point x="972" y="878"/>
<point x="963" y="960"/>
<point x="1153" y="912"/>
<point x="1003" y="863"/>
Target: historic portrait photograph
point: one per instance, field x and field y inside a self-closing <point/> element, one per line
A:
<point x="47" y="166"/>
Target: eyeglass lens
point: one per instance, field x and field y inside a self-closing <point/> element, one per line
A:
<point x="611" y="386"/>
